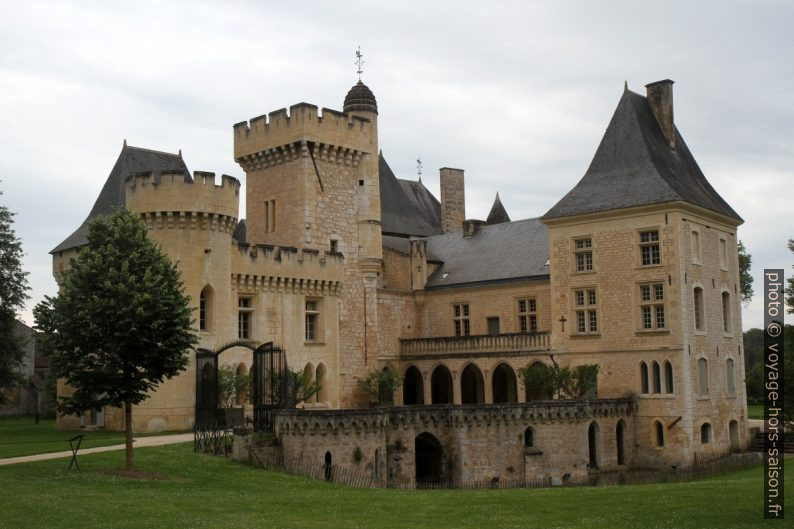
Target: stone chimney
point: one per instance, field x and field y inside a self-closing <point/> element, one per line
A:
<point x="472" y="226"/>
<point x="453" y="204"/>
<point x="660" y="96"/>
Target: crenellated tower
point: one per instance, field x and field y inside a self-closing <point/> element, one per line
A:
<point x="312" y="182"/>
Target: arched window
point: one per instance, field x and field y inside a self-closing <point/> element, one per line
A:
<point x="472" y="389"/>
<point x="659" y="431"/>
<point x="413" y="387"/>
<point x="703" y="377"/>
<point x="700" y="317"/>
<point x="644" y="377"/>
<point x="592" y="444"/>
<point x="730" y="380"/>
<point x="657" y="377"/>
<point x="322" y="391"/>
<point x="733" y="434"/>
<point x="669" y="387"/>
<point x="620" y="433"/>
<point x="329" y="466"/>
<point x="529" y="437"/>
<point x="705" y="433"/>
<point x="205" y="309"/>
<point x="726" y="312"/>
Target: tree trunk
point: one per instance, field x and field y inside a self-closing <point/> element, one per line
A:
<point x="128" y="428"/>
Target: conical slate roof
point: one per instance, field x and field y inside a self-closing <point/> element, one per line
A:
<point x="635" y="166"/>
<point x="498" y="214"/>
<point x="132" y="160"/>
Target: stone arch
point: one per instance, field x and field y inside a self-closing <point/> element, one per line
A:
<point x="413" y="387"/>
<point x="504" y="384"/>
<point x="429" y="457"/>
<point x="644" y="385"/>
<point x="658" y="431"/>
<point x="592" y="445"/>
<point x="322" y="383"/>
<point x="206" y="308"/>
<point x="329" y="466"/>
<point x="472" y="387"/>
<point x="620" y="441"/>
<point x="308" y="375"/>
<point x="705" y="433"/>
<point x="441" y="385"/>
<point x="669" y="386"/>
<point x="529" y="437"/>
<point x="534" y="372"/>
<point x="733" y="434"/>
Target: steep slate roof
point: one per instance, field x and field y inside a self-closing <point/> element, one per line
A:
<point x="498" y="213"/>
<point x="425" y="203"/>
<point x="634" y="166"/>
<point x="502" y="252"/>
<point x="399" y="213"/>
<point x="132" y="160"/>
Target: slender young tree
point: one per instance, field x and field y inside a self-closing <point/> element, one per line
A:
<point x="121" y="323"/>
<point x="13" y="294"/>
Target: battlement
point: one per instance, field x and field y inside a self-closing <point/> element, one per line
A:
<point x="170" y="192"/>
<point x="286" y="269"/>
<point x="303" y="123"/>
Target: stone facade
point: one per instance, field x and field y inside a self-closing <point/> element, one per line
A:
<point x="317" y="273"/>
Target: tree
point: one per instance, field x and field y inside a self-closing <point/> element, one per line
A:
<point x="543" y="381"/>
<point x="379" y="385"/>
<point x="121" y="323"/>
<point x="13" y="294"/>
<point x="233" y="386"/>
<point x="745" y="279"/>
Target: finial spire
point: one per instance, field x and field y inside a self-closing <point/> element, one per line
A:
<point x="359" y="62"/>
<point x="419" y="167"/>
<point x="625" y="86"/>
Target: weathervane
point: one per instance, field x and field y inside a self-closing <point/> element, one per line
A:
<point x="419" y="167"/>
<point x="359" y="62"/>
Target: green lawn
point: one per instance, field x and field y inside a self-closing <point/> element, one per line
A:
<point x="204" y="491"/>
<point x="21" y="436"/>
<point x="755" y="411"/>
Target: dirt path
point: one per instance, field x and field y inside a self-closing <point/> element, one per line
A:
<point x="158" y="440"/>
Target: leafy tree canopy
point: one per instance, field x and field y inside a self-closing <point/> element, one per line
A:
<point x="745" y="279"/>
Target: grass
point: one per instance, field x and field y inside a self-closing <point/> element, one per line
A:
<point x="21" y="436"/>
<point x="204" y="491"/>
<point x="755" y="411"/>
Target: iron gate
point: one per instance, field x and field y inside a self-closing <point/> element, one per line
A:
<point x="271" y="384"/>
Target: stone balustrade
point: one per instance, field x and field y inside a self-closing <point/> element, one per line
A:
<point x="477" y="345"/>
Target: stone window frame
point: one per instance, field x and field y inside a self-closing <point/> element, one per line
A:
<point x="722" y="251"/>
<point x="269" y="216"/>
<point x="657" y="433"/>
<point x="726" y="312"/>
<point x="645" y="384"/>
<point x="706" y="433"/>
<point x="703" y="383"/>
<point x="640" y="244"/>
<point x="206" y="309"/>
<point x="696" y="245"/>
<point x="698" y="308"/>
<point x="245" y="316"/>
<point x="730" y="378"/>
<point x="584" y="250"/>
<point x="314" y="316"/>
<point x="587" y="308"/>
<point x="652" y="304"/>
<point x="668" y="378"/>
<point x="529" y="316"/>
<point x="461" y="319"/>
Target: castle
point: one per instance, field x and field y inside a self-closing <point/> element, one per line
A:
<point x="351" y="269"/>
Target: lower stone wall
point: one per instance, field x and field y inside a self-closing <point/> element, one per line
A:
<point x="464" y="444"/>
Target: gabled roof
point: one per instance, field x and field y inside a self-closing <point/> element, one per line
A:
<point x="425" y="203"/>
<point x="500" y="253"/>
<point x="404" y="213"/>
<point x="132" y="160"/>
<point x="498" y="213"/>
<point x="635" y="166"/>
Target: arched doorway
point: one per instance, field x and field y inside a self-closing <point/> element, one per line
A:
<point x="503" y="383"/>
<point x="413" y="387"/>
<point x="592" y="445"/>
<point x="429" y="457"/>
<point x="441" y="386"/>
<point x="329" y="462"/>
<point x="620" y="434"/>
<point x="733" y="434"/>
<point x="472" y="390"/>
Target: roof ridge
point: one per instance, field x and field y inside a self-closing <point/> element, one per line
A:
<point x="175" y="155"/>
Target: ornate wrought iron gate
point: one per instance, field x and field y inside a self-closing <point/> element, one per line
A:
<point x="271" y="380"/>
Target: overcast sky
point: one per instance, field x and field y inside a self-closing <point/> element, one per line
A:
<point x="517" y="94"/>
